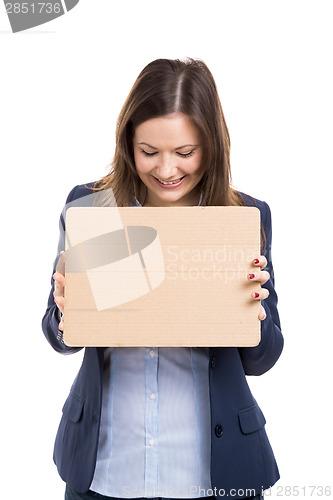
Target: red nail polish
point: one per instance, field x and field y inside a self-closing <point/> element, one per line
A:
<point x="251" y="276"/>
<point x="256" y="294"/>
<point x="256" y="261"/>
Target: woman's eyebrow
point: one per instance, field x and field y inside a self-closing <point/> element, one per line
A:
<point x="152" y="147"/>
<point x="186" y="145"/>
<point x="179" y="147"/>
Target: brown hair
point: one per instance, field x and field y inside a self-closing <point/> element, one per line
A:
<point x="163" y="87"/>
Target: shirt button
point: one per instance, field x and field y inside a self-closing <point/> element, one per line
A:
<point x="213" y="362"/>
<point x="219" y="430"/>
<point x="151" y="442"/>
<point x="152" y="353"/>
<point x="152" y="396"/>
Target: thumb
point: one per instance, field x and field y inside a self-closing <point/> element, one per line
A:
<point x="61" y="263"/>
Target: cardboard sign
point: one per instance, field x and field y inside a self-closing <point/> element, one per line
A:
<point x="161" y="276"/>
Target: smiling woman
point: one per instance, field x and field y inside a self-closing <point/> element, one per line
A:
<point x="173" y="422"/>
<point x="174" y="109"/>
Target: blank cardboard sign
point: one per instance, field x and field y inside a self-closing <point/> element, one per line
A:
<point x="161" y="276"/>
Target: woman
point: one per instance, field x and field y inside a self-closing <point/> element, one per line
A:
<point x="168" y="422"/>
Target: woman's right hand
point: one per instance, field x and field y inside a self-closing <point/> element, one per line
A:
<point x="59" y="286"/>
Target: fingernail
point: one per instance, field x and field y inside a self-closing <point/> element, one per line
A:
<point x="251" y="276"/>
<point x="256" y="261"/>
<point x="256" y="294"/>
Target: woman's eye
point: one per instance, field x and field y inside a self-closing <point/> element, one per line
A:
<point x="186" y="155"/>
<point x="147" y="154"/>
<point x="183" y="155"/>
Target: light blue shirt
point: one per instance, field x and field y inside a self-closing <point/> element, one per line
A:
<point x="155" y="428"/>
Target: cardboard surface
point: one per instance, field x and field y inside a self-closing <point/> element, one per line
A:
<point x="161" y="276"/>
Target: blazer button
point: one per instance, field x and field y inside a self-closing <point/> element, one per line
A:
<point x="219" y="430"/>
<point x="213" y="361"/>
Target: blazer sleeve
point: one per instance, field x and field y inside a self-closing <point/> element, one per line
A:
<point x="51" y="318"/>
<point x="259" y="359"/>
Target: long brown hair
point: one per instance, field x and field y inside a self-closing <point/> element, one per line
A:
<point x="163" y="87"/>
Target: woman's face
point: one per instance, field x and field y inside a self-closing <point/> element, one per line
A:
<point x="167" y="149"/>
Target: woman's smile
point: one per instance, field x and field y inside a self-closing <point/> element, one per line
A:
<point x="169" y="184"/>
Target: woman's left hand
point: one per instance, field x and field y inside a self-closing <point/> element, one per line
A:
<point x="261" y="277"/>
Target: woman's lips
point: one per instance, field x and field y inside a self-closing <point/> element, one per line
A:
<point x="169" y="186"/>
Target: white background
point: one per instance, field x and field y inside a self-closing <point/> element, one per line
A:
<point x="62" y="86"/>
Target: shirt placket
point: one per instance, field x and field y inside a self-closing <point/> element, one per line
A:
<point x="151" y="421"/>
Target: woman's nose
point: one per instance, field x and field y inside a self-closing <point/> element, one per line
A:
<point x="166" y="168"/>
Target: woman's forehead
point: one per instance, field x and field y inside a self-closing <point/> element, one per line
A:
<point x="175" y="128"/>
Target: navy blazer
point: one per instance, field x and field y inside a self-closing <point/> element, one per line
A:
<point x="241" y="455"/>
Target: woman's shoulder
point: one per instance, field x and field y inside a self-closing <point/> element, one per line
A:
<point x="265" y="211"/>
<point x="252" y="201"/>
<point x="80" y="190"/>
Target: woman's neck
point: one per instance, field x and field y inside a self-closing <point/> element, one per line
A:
<point x="193" y="202"/>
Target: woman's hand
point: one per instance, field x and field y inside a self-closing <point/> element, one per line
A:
<point x="59" y="286"/>
<point x="261" y="277"/>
